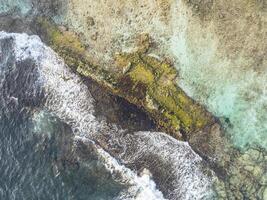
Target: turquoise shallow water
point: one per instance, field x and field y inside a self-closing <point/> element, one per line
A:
<point x="231" y="90"/>
<point x="237" y="99"/>
<point x="22" y="6"/>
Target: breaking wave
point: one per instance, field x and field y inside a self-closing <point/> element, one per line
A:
<point x="150" y="165"/>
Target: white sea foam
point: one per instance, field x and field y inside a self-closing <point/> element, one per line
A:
<point x="69" y="99"/>
<point x="183" y="164"/>
<point x="141" y="187"/>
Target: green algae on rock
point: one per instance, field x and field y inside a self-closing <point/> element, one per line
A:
<point x="208" y="42"/>
<point x="68" y="45"/>
<point x="150" y="83"/>
<point x="141" y="79"/>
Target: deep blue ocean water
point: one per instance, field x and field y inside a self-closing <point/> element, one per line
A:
<point x="33" y="163"/>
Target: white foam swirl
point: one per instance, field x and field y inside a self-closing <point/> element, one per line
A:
<point x="69" y="99"/>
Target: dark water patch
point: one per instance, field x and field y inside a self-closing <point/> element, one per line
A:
<point x="21" y="82"/>
<point x="114" y="109"/>
<point x="26" y="162"/>
<point x="49" y="8"/>
<point x="12" y="23"/>
<point x="87" y="175"/>
<point x="41" y="164"/>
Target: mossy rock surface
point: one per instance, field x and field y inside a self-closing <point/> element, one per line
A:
<point x="141" y="79"/>
<point x="151" y="83"/>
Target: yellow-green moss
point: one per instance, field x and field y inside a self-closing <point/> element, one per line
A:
<point x="137" y="77"/>
<point x="176" y="111"/>
<point x="142" y="74"/>
<point x="61" y="39"/>
<point x="71" y="49"/>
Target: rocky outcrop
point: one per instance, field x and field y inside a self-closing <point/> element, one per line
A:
<point x="156" y="55"/>
<point x="141" y="79"/>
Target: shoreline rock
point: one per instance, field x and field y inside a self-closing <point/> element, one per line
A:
<point x="207" y="138"/>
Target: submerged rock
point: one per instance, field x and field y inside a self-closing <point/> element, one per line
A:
<point x="246" y="176"/>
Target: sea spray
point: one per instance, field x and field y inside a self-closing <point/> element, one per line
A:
<point x="66" y="97"/>
<point x="141" y="187"/>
